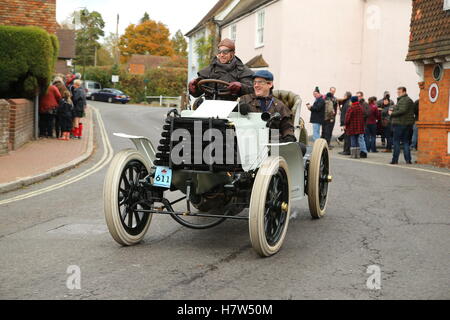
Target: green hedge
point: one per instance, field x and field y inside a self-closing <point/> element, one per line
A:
<point x="27" y="61"/>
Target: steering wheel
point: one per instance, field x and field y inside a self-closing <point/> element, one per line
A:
<point x="216" y="92"/>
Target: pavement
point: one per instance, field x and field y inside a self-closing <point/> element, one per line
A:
<point x="45" y="158"/>
<point x="394" y="219"/>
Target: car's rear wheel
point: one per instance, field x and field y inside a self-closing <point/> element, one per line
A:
<point x="110" y="100"/>
<point x="93" y="98"/>
<point x="270" y="207"/>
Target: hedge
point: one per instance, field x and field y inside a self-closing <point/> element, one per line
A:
<point x="27" y="61"/>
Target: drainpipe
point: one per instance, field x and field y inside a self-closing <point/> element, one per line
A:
<point x="36" y="117"/>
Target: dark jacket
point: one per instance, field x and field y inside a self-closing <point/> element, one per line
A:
<point x="65" y="109"/>
<point x="79" y="102"/>
<point x="235" y="71"/>
<point x="366" y="110"/>
<point x="345" y="107"/>
<point x="318" y="111"/>
<point x="403" y="114"/>
<point x="354" y="120"/>
<point x="286" y="124"/>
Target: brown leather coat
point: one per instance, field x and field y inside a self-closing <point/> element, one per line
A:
<point x="287" y="121"/>
<point x="235" y="71"/>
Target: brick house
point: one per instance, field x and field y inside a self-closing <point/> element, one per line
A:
<point x="17" y="116"/>
<point x="139" y="64"/>
<point x="429" y="49"/>
<point x="66" y="39"/>
<point x="40" y="13"/>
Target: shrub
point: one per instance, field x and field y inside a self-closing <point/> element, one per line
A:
<point x="27" y="61"/>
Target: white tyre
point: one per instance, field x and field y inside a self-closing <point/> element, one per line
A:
<point x="270" y="206"/>
<point x="318" y="179"/>
<point x="123" y="198"/>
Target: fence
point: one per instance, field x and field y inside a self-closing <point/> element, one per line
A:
<point x="167" y="101"/>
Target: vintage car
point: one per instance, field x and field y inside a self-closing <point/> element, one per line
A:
<point x="221" y="160"/>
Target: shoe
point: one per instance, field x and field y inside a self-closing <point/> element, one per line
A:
<point x="358" y="153"/>
<point x="387" y="151"/>
<point x="409" y="162"/>
<point x="345" y="153"/>
<point x="363" y="155"/>
<point x="393" y="163"/>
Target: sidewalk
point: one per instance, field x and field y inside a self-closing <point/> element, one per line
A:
<point x="382" y="158"/>
<point x="45" y="158"/>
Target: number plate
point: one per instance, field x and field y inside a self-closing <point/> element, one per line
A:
<point x="163" y="177"/>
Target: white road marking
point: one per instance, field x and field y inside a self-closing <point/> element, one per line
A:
<point x="108" y="154"/>
<point x="393" y="166"/>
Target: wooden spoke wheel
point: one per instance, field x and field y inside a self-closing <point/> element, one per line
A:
<point x="319" y="178"/>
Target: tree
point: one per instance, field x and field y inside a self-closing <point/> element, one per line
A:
<point x="145" y="18"/>
<point x="179" y="44"/>
<point x="89" y="31"/>
<point x="205" y="50"/>
<point x="111" y="44"/>
<point x="149" y="37"/>
<point x="104" y="57"/>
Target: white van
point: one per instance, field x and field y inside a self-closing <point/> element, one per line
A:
<point x="91" y="87"/>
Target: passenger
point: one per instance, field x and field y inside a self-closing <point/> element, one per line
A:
<point x="226" y="67"/>
<point x="263" y="101"/>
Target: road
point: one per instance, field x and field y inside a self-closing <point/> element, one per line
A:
<point x="394" y="219"/>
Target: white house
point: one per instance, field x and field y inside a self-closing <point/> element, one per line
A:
<point x="352" y="45"/>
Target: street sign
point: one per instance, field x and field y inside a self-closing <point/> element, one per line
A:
<point x="115" y="79"/>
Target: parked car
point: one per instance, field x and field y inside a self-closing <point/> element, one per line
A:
<point x="91" y="87"/>
<point x="111" y="96"/>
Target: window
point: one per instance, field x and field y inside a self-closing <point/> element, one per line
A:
<point x="233" y="32"/>
<point x="260" y="16"/>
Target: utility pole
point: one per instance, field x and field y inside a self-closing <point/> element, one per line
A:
<point x="117" y="42"/>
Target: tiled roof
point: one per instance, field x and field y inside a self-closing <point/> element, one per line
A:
<point x="244" y="7"/>
<point x="430" y="30"/>
<point x="210" y="15"/>
<point x="66" y="39"/>
<point x="257" y="62"/>
<point x="148" y="61"/>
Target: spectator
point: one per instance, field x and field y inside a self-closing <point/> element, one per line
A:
<point x="371" y="127"/>
<point x="48" y="104"/>
<point x="386" y="123"/>
<point x="317" y="113"/>
<point x="366" y="111"/>
<point x="380" y="104"/>
<point x="331" y="105"/>
<point x="58" y="82"/>
<point x="354" y="126"/>
<point x="79" y="105"/>
<point x="65" y="115"/>
<point x="346" y="103"/>
<point x="402" y="122"/>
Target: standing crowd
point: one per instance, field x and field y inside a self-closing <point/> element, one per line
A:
<point x="361" y="122"/>
<point x="62" y="108"/>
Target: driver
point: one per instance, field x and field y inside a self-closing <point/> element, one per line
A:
<point x="263" y="101"/>
<point x="226" y="67"/>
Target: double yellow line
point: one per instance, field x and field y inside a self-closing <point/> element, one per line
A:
<point x="108" y="154"/>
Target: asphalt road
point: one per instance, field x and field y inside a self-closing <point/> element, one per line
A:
<point x="391" y="218"/>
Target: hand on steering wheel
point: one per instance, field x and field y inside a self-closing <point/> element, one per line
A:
<point x="214" y="91"/>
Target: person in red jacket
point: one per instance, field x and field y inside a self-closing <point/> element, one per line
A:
<point x="354" y="126"/>
<point x="48" y="104"/>
<point x="371" y="128"/>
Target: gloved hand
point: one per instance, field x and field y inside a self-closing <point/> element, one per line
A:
<point x="235" y="87"/>
<point x="288" y="138"/>
<point x="193" y="86"/>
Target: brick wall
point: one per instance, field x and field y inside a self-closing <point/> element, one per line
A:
<point x="21" y="122"/>
<point x="433" y="127"/>
<point x="4" y="126"/>
<point x="40" y="13"/>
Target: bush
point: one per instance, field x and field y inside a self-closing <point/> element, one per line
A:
<point x="166" y="81"/>
<point x="27" y="61"/>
